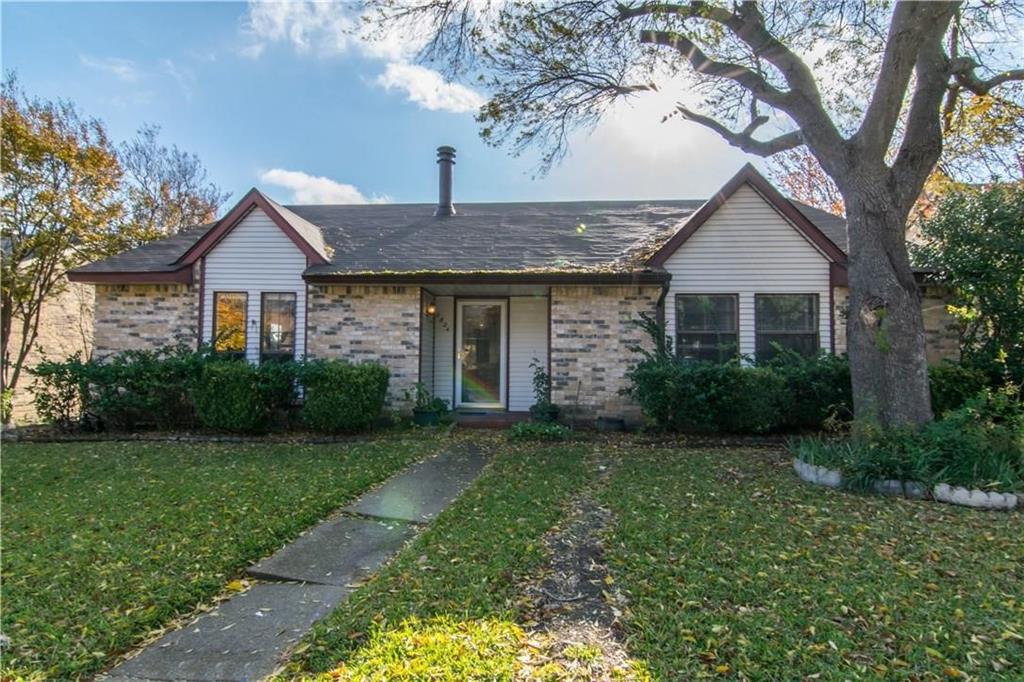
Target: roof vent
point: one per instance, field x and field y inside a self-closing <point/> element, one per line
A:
<point x="445" y="164"/>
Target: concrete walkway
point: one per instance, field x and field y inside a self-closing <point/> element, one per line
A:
<point x="245" y="637"/>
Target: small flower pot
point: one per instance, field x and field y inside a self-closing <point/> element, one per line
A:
<point x="422" y="417"/>
<point x="608" y="424"/>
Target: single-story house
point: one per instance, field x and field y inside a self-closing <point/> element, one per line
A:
<point x="465" y="300"/>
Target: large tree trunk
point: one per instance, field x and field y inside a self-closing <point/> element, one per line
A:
<point x="884" y="326"/>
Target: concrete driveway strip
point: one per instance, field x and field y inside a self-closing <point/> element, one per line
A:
<point x="421" y="492"/>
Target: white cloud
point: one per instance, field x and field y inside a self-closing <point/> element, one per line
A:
<point x="325" y="29"/>
<point x="122" y="69"/>
<point x="427" y="88"/>
<point x="183" y="76"/>
<point x="317" y="189"/>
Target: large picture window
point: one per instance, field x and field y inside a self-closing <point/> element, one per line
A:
<point x="277" y="326"/>
<point x="706" y="327"/>
<point x="229" y="322"/>
<point x="788" y="320"/>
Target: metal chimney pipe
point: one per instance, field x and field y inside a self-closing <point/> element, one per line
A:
<point x="445" y="164"/>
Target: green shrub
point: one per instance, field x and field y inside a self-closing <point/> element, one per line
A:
<point x="953" y="384"/>
<point x="143" y="388"/>
<point x="817" y="389"/>
<point x="234" y="395"/>
<point x="548" y="431"/>
<point x="708" y="397"/>
<point x="6" y="405"/>
<point x="342" y="397"/>
<point x="979" y="445"/>
<point x="58" y="390"/>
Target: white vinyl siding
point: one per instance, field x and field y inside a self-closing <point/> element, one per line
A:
<point x="255" y="257"/>
<point x="528" y="339"/>
<point x="748" y="248"/>
<point x="444" y="349"/>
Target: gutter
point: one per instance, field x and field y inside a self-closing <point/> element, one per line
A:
<point x="512" y="277"/>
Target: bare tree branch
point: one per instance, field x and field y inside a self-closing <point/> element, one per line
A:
<point x="964" y="68"/>
<point x="745" y="138"/>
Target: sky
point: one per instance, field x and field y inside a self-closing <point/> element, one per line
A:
<point x="283" y="97"/>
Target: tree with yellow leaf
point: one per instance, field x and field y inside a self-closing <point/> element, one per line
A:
<point x="59" y="206"/>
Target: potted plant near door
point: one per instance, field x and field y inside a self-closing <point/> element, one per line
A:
<point x="542" y="409"/>
<point x="429" y="408"/>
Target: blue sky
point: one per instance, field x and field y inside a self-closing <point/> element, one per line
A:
<point x="283" y="98"/>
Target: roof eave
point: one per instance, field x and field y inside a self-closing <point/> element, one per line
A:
<point x="180" y="276"/>
<point x="412" y="278"/>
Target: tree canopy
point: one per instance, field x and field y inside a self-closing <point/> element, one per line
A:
<point x="865" y="86"/>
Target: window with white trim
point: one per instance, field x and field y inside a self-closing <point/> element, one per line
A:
<point x="706" y="327"/>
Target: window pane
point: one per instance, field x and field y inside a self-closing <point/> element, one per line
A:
<point x="786" y="312"/>
<point x="278" y="325"/>
<point x="804" y="344"/>
<point x="706" y="313"/>
<point x="229" y="322"/>
<point x="710" y="347"/>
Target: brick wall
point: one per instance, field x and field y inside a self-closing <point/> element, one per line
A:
<point x="144" y="317"/>
<point x="360" y="323"/>
<point x="65" y="328"/>
<point x="591" y="332"/>
<point x="941" y="331"/>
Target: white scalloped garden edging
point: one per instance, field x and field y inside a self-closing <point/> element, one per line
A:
<point x="943" y="492"/>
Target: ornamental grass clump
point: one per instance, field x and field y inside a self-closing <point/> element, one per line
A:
<point x="980" y="445"/>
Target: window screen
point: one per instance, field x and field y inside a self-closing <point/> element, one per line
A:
<point x="229" y="322"/>
<point x="277" y="335"/>
<point x="706" y="327"/>
<point x="789" y="320"/>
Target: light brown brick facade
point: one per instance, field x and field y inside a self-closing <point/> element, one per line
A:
<point x="941" y="331"/>
<point x="144" y="317"/>
<point x="360" y="323"/>
<point x="592" y="329"/>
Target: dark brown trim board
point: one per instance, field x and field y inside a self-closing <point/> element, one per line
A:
<point x="181" y="276"/>
<point x="748" y="175"/>
<point x="427" y="278"/>
<point x="251" y="201"/>
<point x="202" y="302"/>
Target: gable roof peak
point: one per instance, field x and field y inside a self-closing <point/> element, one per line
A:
<point x="749" y="175"/>
<point x="304" y="234"/>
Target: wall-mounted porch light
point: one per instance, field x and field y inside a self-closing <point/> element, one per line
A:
<point x="430" y="310"/>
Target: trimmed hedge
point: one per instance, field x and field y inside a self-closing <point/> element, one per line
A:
<point x="182" y="388"/>
<point x="241" y="397"/>
<point x="342" y="397"/>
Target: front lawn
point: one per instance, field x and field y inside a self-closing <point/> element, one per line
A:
<point x="465" y="566"/>
<point x="735" y="568"/>
<point x="105" y="542"/>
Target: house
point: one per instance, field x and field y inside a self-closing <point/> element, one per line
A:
<point x="466" y="299"/>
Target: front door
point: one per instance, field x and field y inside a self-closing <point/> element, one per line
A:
<point x="480" y="353"/>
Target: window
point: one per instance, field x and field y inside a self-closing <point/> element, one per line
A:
<point x="706" y="327"/>
<point x="789" y="320"/>
<point x="277" y="327"/>
<point x="229" y="322"/>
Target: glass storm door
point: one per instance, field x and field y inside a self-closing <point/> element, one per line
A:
<point x="480" y="353"/>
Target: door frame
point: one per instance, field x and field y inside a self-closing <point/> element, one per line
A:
<point x="503" y="333"/>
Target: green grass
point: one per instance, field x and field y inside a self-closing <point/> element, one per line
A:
<point x="735" y="568"/>
<point x="105" y="542"/>
<point x="466" y="564"/>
